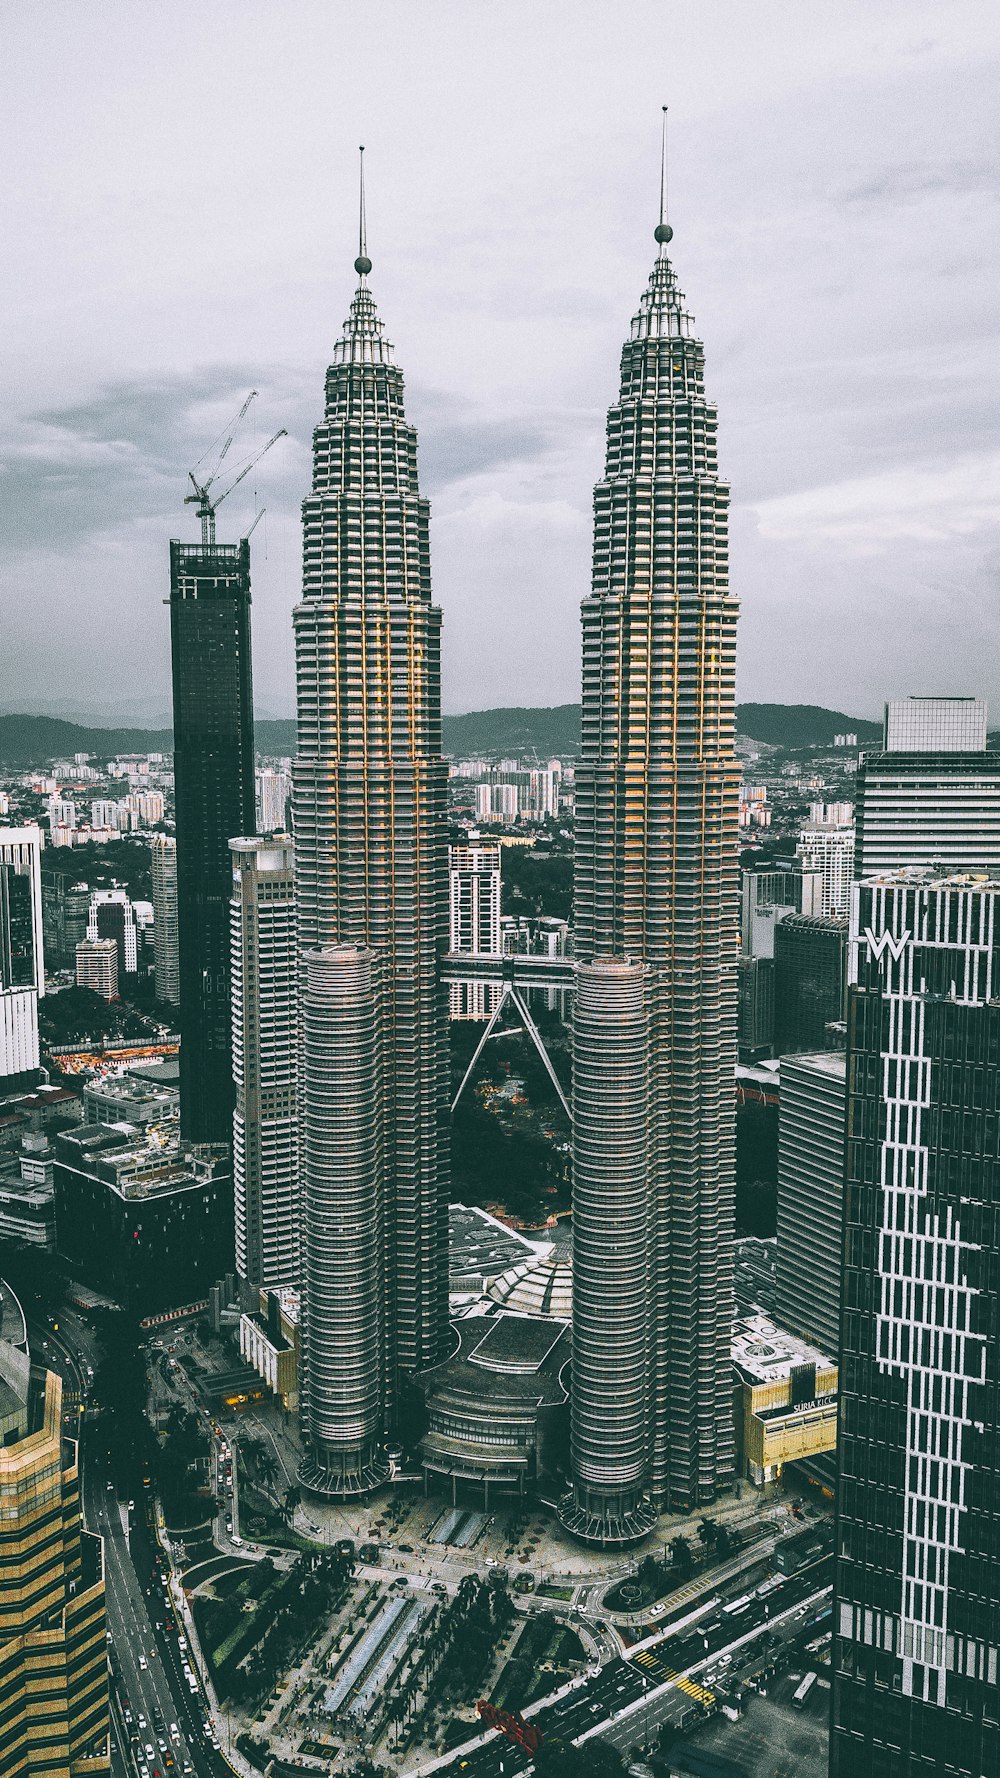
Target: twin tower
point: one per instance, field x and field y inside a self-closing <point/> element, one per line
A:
<point x="654" y="1024"/>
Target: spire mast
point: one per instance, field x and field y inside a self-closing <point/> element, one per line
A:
<point x="362" y="265"/>
<point x="663" y="232"/>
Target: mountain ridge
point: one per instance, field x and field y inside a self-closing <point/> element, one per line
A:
<point x="543" y="731"/>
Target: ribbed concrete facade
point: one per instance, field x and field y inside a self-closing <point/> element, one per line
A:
<point x="344" y="1214"/>
<point x="369" y="798"/>
<point x="264" y="970"/>
<point x="656" y="851"/>
<point x="166" y="954"/>
<point x="611" y="1251"/>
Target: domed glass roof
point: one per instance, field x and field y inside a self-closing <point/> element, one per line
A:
<point x="542" y="1285"/>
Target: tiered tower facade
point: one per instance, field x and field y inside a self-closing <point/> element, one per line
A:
<point x="370" y="817"/>
<point x="656" y="883"/>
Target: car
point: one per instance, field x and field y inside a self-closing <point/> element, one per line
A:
<point x="143" y="1771"/>
<point x="174" y="1732"/>
<point x="150" y="1750"/>
<point x="142" y="1721"/>
<point x="143" y="1663"/>
<point x="407" y="1549"/>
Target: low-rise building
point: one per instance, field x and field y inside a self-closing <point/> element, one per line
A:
<point x="27" y="1194"/>
<point x="121" y="1098"/>
<point x="497" y="1409"/>
<point x="142" y="1215"/>
<point x="785" y="1398"/>
<point x="269" y="1341"/>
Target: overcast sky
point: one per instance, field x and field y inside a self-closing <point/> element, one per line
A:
<point x="178" y="212"/>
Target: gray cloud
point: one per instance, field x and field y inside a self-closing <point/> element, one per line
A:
<point x="175" y="241"/>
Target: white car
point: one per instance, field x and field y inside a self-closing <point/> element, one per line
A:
<point x="143" y="1663"/>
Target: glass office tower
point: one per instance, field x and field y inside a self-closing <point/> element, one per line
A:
<point x="214" y="794"/>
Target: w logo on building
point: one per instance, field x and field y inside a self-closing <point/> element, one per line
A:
<point x="886" y="942"/>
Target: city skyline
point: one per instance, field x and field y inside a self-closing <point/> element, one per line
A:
<point x="350" y="1330"/>
<point x="865" y="472"/>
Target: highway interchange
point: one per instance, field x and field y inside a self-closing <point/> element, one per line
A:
<point x="162" y="1726"/>
<point x="668" y="1678"/>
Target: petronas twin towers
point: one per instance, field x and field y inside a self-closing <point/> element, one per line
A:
<point x="655" y="1015"/>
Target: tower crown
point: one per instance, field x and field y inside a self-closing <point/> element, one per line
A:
<point x="661" y="313"/>
<point x="363" y="340"/>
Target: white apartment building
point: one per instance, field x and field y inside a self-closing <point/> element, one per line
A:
<point x="273" y="791"/>
<point x="147" y="806"/>
<point x="97" y="966"/>
<point x="22" y="975"/>
<point x="166" y="957"/>
<point x="111" y="915"/>
<point x="264" y="975"/>
<point x="474" y="924"/>
<point x="829" y="849"/>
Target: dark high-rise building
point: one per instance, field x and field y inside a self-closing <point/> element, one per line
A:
<point x="656" y="884"/>
<point x="811" y="1197"/>
<point x="371" y="871"/>
<point x="810" y="970"/>
<point x="214" y="793"/>
<point x="917" y="1585"/>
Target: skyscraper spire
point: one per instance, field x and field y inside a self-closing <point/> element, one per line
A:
<point x="655" y="899"/>
<point x="663" y="233"/>
<point x="370" y="801"/>
<point x="362" y="265"/>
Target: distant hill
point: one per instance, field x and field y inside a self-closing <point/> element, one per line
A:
<point x="546" y="733"/>
<point x="801" y="725"/>
<point x="31" y="740"/>
<point x="551" y="733"/>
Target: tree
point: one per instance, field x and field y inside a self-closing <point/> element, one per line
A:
<point x="680" y="1551"/>
<point x="288" y="1506"/>
<point x="595" y="1759"/>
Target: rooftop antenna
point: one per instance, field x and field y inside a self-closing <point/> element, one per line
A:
<point x="362" y="265"/>
<point x="663" y="232"/>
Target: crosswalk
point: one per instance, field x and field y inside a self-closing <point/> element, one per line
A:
<point x="658" y="1670"/>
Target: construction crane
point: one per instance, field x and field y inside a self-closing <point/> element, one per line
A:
<point x="207" y="507"/>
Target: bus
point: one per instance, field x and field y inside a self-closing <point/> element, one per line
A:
<point x="803" y="1690"/>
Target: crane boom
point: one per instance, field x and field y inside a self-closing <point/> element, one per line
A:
<point x="282" y="433"/>
<point x="218" y="464"/>
<point x="206" y="506"/>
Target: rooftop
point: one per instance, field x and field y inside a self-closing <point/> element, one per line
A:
<point x="541" y="1285"/>
<point x="480" y="1247"/>
<point x="766" y="1353"/>
<point x="831" y="1062"/>
<point x="508" y="1358"/>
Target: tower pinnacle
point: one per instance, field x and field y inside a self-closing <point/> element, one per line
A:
<point x="663" y="231"/>
<point x="362" y="265"/>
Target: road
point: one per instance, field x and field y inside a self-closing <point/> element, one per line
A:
<point x="151" y="1695"/>
<point x="146" y="1659"/>
<point x="667" y="1679"/>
